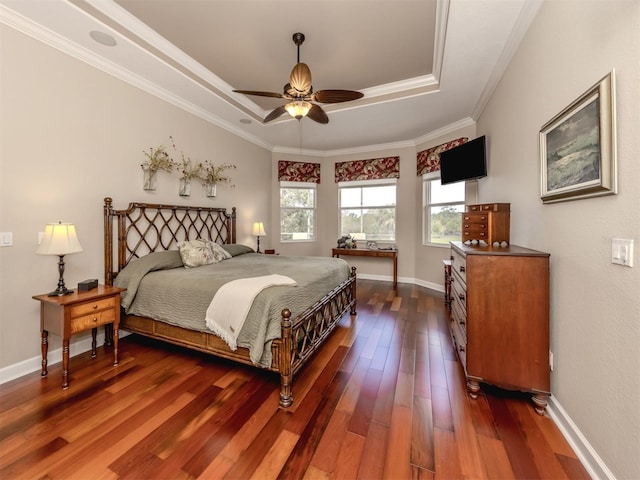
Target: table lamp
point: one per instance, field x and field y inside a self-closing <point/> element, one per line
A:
<point x="258" y="231"/>
<point x="59" y="239"/>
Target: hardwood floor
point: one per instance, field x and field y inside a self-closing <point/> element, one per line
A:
<point x="384" y="398"/>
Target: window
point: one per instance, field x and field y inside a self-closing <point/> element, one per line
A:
<point x="442" y="205"/>
<point x="368" y="209"/>
<point x="297" y="211"/>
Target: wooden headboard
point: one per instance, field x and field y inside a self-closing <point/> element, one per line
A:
<point x="146" y="227"/>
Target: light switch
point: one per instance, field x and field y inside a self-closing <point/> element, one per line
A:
<point x="622" y="251"/>
<point x="6" y="239"/>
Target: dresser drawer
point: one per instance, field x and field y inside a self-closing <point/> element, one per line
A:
<point x="489" y="207"/>
<point x="459" y="265"/>
<point x="474" y="234"/>
<point x="459" y="294"/>
<point x="470" y="220"/>
<point x="92" y="320"/>
<point x="459" y="343"/>
<point x="90" y="307"/>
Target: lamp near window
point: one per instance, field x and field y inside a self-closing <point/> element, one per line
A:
<point x="258" y="231"/>
<point x="59" y="239"/>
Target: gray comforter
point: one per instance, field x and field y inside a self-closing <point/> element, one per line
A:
<point x="159" y="287"/>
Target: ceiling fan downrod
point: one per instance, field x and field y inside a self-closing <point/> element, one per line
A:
<point x="298" y="39"/>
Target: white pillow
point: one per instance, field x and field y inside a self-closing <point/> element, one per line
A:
<point x="195" y="253"/>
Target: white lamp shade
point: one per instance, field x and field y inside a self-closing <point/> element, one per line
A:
<point x="258" y="229"/>
<point x="59" y="239"/>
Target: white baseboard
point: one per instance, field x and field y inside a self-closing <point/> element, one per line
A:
<point x="587" y="455"/>
<point x="33" y="364"/>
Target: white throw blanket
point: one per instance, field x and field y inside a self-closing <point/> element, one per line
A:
<point x="230" y="305"/>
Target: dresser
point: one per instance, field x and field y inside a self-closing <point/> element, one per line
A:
<point x="486" y="222"/>
<point x="499" y="320"/>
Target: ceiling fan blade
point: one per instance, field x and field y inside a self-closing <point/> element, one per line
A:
<point x="261" y="94"/>
<point x="317" y="114"/>
<point x="275" y="114"/>
<point x="300" y="78"/>
<point x="336" y="96"/>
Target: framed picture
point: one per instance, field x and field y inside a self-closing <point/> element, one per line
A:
<point x="578" y="147"/>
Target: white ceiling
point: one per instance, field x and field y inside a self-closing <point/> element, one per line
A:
<point x="425" y="66"/>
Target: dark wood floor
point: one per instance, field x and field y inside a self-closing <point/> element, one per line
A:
<point x="384" y="398"/>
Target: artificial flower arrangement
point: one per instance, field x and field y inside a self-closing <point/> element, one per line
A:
<point x="159" y="159"/>
<point x="212" y="174"/>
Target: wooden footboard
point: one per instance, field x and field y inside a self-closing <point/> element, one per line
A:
<point x="144" y="228"/>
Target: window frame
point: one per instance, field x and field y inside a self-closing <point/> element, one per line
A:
<point x="302" y="186"/>
<point x="427" y="181"/>
<point x="366" y="184"/>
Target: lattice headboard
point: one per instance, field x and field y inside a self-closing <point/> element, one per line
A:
<point x="146" y="227"/>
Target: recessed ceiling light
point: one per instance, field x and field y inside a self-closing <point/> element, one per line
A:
<point x="103" y="38"/>
<point x="246" y="121"/>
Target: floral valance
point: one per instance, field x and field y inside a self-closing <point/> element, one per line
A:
<point x="429" y="160"/>
<point x="298" y="172"/>
<point x="373" y="169"/>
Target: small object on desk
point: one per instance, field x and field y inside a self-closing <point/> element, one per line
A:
<point x="269" y="252"/>
<point x="86" y="285"/>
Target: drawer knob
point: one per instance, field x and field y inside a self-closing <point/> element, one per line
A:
<point x="462" y="269"/>
<point x="95" y="319"/>
<point x="461" y="348"/>
<point x="461" y="296"/>
<point x="95" y="306"/>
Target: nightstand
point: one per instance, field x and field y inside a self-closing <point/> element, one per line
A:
<point x="78" y="312"/>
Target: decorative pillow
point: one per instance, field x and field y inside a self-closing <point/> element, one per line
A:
<point x="236" y="249"/>
<point x="195" y="253"/>
<point x="219" y="253"/>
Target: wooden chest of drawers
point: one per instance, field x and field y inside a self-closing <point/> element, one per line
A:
<point x="499" y="320"/>
<point x="486" y="222"/>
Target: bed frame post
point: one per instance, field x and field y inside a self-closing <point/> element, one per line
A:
<point x="108" y="242"/>
<point x="353" y="292"/>
<point x="232" y="227"/>
<point x="286" y="398"/>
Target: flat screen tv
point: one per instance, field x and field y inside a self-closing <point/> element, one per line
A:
<point x="464" y="162"/>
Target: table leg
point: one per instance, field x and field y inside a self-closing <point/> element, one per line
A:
<point x="115" y="345"/>
<point x="94" y="333"/>
<point x="65" y="363"/>
<point x="45" y="349"/>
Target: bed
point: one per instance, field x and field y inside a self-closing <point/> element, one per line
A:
<point x="297" y="320"/>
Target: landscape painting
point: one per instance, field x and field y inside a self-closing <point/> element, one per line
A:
<point x="577" y="147"/>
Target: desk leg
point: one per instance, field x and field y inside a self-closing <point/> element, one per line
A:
<point x="395" y="271"/>
<point x="45" y="349"/>
<point x="65" y="363"/>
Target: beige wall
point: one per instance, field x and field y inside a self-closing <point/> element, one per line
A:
<point x="595" y="306"/>
<point x="72" y="135"/>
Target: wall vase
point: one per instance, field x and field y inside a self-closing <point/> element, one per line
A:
<point x="149" y="178"/>
<point x="210" y="189"/>
<point x="185" y="187"/>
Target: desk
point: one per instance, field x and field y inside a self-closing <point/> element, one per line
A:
<point x="365" y="252"/>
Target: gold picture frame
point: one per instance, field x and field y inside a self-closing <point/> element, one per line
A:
<point x="578" y="147"/>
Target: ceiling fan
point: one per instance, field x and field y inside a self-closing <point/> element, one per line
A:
<point x="300" y="94"/>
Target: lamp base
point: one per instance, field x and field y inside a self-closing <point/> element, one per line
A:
<point x="58" y="292"/>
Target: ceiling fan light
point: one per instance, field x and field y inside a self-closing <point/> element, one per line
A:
<point x="298" y="109"/>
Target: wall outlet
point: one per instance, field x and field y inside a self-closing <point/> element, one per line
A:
<point x="550" y="360"/>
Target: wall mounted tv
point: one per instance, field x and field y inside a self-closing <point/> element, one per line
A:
<point x="464" y="162"/>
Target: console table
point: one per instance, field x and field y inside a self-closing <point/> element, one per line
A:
<point x="365" y="252"/>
